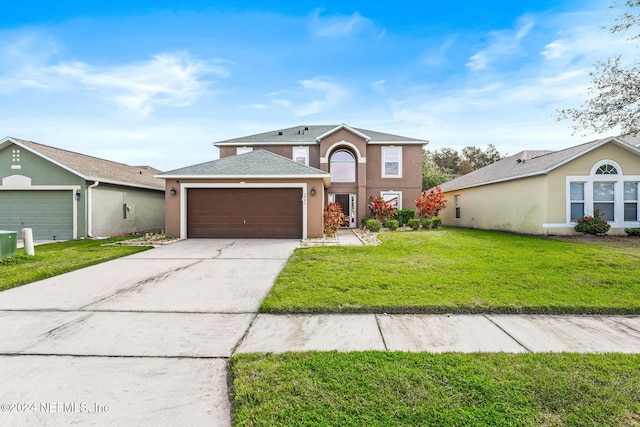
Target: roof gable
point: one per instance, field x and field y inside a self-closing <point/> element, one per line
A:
<point x="530" y="163"/>
<point x="92" y="168"/>
<point x="257" y="164"/>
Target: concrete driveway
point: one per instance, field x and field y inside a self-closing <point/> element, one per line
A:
<point x="146" y="339"/>
<point x="141" y="340"/>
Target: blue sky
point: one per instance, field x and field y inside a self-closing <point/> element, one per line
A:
<point x="158" y="82"/>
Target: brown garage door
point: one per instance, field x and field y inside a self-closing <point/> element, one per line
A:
<point x="246" y="212"/>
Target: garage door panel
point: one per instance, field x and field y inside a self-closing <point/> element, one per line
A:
<point x="247" y="212"/>
<point x="48" y="213"/>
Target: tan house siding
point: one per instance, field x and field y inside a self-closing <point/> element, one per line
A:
<point x="538" y="204"/>
<point x="518" y="205"/>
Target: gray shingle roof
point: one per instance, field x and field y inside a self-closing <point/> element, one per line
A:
<point x="310" y="134"/>
<point x="96" y="169"/>
<point x="257" y="163"/>
<point x="527" y="163"/>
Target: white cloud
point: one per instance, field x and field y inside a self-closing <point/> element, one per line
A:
<point x="588" y="42"/>
<point x="304" y="101"/>
<point x="167" y="79"/>
<point x="503" y="43"/>
<point x="339" y="26"/>
<point x="332" y="93"/>
<point x="379" y="85"/>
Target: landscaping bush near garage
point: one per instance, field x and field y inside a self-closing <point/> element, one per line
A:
<point x="57" y="258"/>
<point x="424" y="389"/>
<point x="461" y="271"/>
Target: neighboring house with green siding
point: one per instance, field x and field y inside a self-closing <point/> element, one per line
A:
<point x="547" y="192"/>
<point x="64" y="195"/>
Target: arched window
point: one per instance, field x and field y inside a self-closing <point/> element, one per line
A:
<point x="607" y="169"/>
<point x="342" y="166"/>
<point x="608" y="190"/>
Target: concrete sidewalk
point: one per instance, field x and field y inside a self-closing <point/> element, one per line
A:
<point x="443" y="333"/>
<point x="146" y="339"/>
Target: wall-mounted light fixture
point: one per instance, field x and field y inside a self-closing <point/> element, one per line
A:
<point x="173" y="191"/>
<point x="77" y="194"/>
<point x="313" y="191"/>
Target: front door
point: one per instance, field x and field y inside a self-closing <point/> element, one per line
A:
<point x="348" y="204"/>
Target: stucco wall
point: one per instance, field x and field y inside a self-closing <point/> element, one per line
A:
<point x="411" y="182"/>
<point x="315" y="204"/>
<point x="535" y="205"/>
<point x="108" y="203"/>
<point x="517" y="206"/>
<point x="557" y="202"/>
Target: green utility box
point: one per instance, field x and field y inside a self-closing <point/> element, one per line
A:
<point x="8" y="243"/>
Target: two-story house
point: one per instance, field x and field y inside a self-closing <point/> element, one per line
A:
<point x="276" y="184"/>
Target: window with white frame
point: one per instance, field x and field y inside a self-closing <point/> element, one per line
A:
<point x="576" y="190"/>
<point x="342" y="167"/>
<point x="242" y="150"/>
<point x="392" y="162"/>
<point x="393" y="197"/>
<point x="631" y="201"/>
<point x="604" y="199"/>
<point x="607" y="190"/>
<point x="456" y="201"/>
<point x="301" y="155"/>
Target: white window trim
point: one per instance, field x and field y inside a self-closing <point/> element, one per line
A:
<point x="395" y="193"/>
<point x="243" y="150"/>
<point x="355" y="166"/>
<point x="457" y="211"/>
<point x="618" y="180"/>
<point x="382" y="161"/>
<point x="306" y="154"/>
<point x="636" y="201"/>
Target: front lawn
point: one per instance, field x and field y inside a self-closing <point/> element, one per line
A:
<point x="421" y="389"/>
<point x="462" y="271"/>
<point x="56" y="258"/>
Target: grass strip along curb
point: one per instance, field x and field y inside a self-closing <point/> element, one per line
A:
<point x="417" y="389"/>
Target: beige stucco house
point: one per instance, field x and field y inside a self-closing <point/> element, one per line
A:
<point x="276" y="184"/>
<point x="546" y="192"/>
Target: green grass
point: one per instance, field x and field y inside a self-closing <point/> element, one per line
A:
<point x="462" y="271"/>
<point x="421" y="389"/>
<point x="57" y="258"/>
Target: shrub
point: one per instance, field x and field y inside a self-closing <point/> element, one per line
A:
<point x="426" y="223"/>
<point x="333" y="219"/>
<point x="632" y="231"/>
<point x="404" y="215"/>
<point x="414" y="223"/>
<point x="430" y="203"/>
<point x="392" y="224"/>
<point x="363" y="221"/>
<point x="436" y="222"/>
<point x="381" y="209"/>
<point x="372" y="225"/>
<point x="595" y="224"/>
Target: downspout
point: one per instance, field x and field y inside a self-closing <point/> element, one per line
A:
<point x="89" y="213"/>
